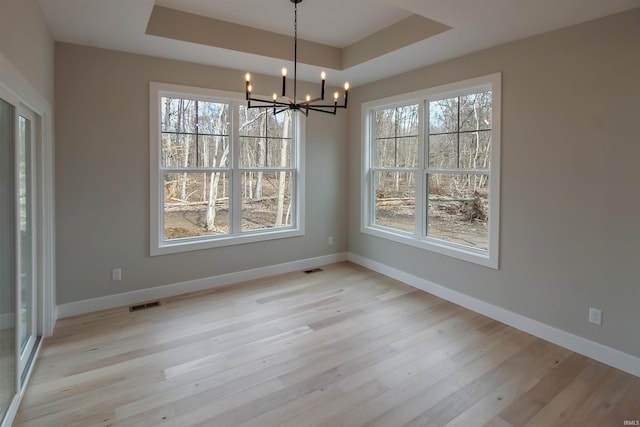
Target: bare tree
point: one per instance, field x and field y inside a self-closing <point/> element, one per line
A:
<point x="282" y="175"/>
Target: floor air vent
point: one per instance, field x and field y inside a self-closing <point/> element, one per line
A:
<point x="144" y="306"/>
<point x="313" y="270"/>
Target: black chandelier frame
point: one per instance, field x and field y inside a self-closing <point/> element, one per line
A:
<point x="283" y="103"/>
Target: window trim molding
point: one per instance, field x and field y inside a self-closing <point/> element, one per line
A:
<point x="160" y="247"/>
<point x="488" y="258"/>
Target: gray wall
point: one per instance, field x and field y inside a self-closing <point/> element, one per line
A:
<point x="570" y="188"/>
<point x="26" y="42"/>
<point x="102" y="178"/>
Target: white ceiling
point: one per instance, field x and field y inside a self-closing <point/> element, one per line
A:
<point x="476" y="24"/>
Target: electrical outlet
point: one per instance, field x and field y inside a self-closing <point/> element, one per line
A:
<point x="116" y="274"/>
<point x="595" y="316"/>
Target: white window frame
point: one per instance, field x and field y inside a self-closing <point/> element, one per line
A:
<point x="419" y="239"/>
<point x="158" y="245"/>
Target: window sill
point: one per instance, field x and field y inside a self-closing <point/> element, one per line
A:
<point x="475" y="256"/>
<point x="199" y="243"/>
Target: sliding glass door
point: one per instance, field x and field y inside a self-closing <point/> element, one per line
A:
<point x="7" y="258"/>
<point x="18" y="278"/>
<point x="25" y="247"/>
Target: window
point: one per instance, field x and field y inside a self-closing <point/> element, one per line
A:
<point x="432" y="169"/>
<point x="221" y="173"/>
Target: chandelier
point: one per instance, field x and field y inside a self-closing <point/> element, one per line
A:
<point x="283" y="102"/>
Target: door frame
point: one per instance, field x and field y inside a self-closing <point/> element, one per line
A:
<point x="17" y="90"/>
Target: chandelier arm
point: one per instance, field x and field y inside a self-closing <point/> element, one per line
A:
<point x="325" y="105"/>
<point x="333" y="111"/>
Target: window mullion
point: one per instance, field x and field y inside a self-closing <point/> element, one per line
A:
<point x="420" y="205"/>
<point x="236" y="178"/>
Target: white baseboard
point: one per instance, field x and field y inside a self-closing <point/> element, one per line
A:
<point x="166" y="291"/>
<point x="591" y="349"/>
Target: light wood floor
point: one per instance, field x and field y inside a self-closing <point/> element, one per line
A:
<point x="342" y="347"/>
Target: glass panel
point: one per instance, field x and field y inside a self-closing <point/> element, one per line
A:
<point x="194" y="133"/>
<point x="459" y="208"/>
<point x="178" y="115"/>
<point x="176" y="149"/>
<point x="253" y="152"/>
<point x="7" y="280"/>
<point x="475" y="111"/>
<point x="443" y="116"/>
<point x="25" y="229"/>
<point x="196" y="204"/>
<point x="395" y="200"/>
<point x="253" y="121"/>
<point x="407" y="120"/>
<point x="397" y="122"/>
<point x="443" y="151"/>
<point x="213" y="118"/>
<point x="385" y="123"/>
<point x="475" y="150"/>
<point x="397" y="152"/>
<point x="214" y="151"/>
<point x="280" y="125"/>
<point x="385" y="152"/>
<point x="265" y="140"/>
<point x="267" y="200"/>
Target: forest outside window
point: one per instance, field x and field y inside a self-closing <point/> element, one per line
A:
<point x="221" y="173"/>
<point x="432" y="175"/>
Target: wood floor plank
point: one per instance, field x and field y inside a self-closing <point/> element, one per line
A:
<point x="341" y="347"/>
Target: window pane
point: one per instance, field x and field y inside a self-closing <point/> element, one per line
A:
<point x="265" y="139"/>
<point x="280" y="125"/>
<point x="263" y="152"/>
<point x="400" y="152"/>
<point x="177" y="150"/>
<point x="213" y="118"/>
<point x="252" y="122"/>
<point x="407" y="120"/>
<point x="396" y="122"/>
<point x="185" y="150"/>
<point x="178" y="115"/>
<point x="475" y="150"/>
<point x="278" y="153"/>
<point x="213" y="151"/>
<point x="385" y="152"/>
<point x="195" y="204"/>
<point x="385" y="124"/>
<point x="475" y="111"/>
<point x="443" y="116"/>
<point x="260" y="122"/>
<point x="267" y="200"/>
<point x="395" y="200"/>
<point x="443" y="151"/>
<point x="458" y="209"/>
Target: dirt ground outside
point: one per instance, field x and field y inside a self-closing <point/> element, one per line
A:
<point x="452" y="221"/>
<point x="449" y="221"/>
<point x="190" y="221"/>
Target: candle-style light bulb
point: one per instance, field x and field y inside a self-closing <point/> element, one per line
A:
<point x="323" y="76"/>
<point x="346" y="94"/>
<point x="336" y="95"/>
<point x="249" y="88"/>
<point x="308" y="98"/>
<point x="284" y="81"/>
<point x="247" y="77"/>
<point x="275" y="96"/>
